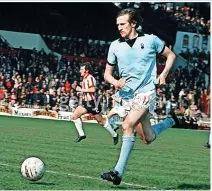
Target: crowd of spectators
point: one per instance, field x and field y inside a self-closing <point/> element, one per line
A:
<point x="77" y="46"/>
<point x="186" y="93"/>
<point x="199" y="59"/>
<point x="37" y="80"/>
<point x="186" y="18"/>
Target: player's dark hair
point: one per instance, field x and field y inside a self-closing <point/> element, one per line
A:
<point x="87" y="66"/>
<point x="134" y="15"/>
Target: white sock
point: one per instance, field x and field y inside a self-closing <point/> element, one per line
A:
<point x="109" y="128"/>
<point x="78" y="124"/>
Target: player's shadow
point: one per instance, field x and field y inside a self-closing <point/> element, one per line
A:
<point x="44" y="183"/>
<point x="195" y="187"/>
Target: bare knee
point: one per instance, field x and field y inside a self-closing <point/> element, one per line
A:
<point x="145" y="140"/>
<point x="101" y="122"/>
<point x="74" y="117"/>
<point x="149" y="140"/>
<point x="127" y="128"/>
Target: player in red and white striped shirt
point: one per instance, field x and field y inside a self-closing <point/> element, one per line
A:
<point x="88" y="82"/>
<point x="89" y="104"/>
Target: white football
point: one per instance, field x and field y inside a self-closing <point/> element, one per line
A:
<point x="33" y="169"/>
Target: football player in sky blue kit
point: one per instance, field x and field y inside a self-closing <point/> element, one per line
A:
<point x="135" y="55"/>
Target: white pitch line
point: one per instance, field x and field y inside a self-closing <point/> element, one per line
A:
<point x="86" y="177"/>
<point x="2" y="164"/>
<point x="94" y="178"/>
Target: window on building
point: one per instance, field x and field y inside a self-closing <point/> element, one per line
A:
<point x="185" y="41"/>
<point x="204" y="42"/>
<point x="196" y="41"/>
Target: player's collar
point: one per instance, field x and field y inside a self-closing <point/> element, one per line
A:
<point x="121" y="39"/>
<point x="86" y="76"/>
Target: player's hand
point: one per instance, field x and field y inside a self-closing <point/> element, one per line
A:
<point x="161" y="80"/>
<point x="78" y="88"/>
<point x="117" y="99"/>
<point x="120" y="83"/>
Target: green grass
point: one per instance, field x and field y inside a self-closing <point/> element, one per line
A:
<point x="176" y="160"/>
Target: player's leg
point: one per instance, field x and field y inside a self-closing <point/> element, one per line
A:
<point x="122" y="111"/>
<point x="128" y="140"/>
<point x="152" y="131"/>
<point x="145" y="128"/>
<point x="138" y="114"/>
<point x="112" y="120"/>
<point x="96" y="110"/>
<point x="78" y="122"/>
<point x="140" y="132"/>
<point x="112" y="116"/>
<point x="112" y="112"/>
<point x="208" y="144"/>
<point x="105" y="123"/>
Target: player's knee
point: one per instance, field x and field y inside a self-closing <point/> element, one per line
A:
<point x="101" y="122"/>
<point x="149" y="140"/>
<point x="146" y="142"/>
<point x="126" y="126"/>
<point x="74" y="117"/>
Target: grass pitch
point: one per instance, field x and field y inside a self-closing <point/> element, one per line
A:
<point x="176" y="160"/>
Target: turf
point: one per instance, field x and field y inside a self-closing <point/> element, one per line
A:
<point x="176" y="160"/>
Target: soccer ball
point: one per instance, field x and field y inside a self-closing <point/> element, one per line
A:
<point x="33" y="169"/>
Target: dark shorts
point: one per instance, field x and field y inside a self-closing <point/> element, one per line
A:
<point x="91" y="107"/>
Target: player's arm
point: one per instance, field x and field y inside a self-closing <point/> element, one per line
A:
<point x="91" y="83"/>
<point x="112" y="61"/>
<point x="89" y="90"/>
<point x="169" y="62"/>
<point x="109" y="77"/>
<point x="160" y="48"/>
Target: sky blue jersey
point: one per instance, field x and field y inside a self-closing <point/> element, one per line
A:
<point x="137" y="64"/>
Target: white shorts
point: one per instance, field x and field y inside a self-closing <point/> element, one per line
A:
<point x="144" y="100"/>
<point x="141" y="100"/>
